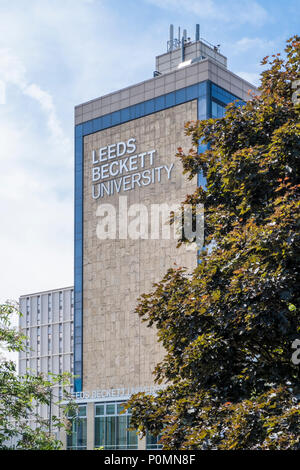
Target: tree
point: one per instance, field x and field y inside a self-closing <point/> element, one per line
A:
<point x="229" y="327"/>
<point x="20" y="395"/>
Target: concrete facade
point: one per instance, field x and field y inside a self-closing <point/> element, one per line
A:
<point x="118" y="349"/>
<point x="207" y="69"/>
<point x="198" y="51"/>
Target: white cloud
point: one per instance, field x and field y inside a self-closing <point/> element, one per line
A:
<point x="53" y="55"/>
<point x="258" y="44"/>
<point x="231" y="11"/>
<point x="37" y="226"/>
<point x="36" y="238"/>
<point x="46" y="102"/>
<point x="13" y="71"/>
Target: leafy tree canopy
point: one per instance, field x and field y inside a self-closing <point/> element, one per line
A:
<point x="229" y="327"/>
<point x="20" y="395"/>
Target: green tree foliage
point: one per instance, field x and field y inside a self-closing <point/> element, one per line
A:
<point x="228" y="328"/>
<point x="20" y="395"/>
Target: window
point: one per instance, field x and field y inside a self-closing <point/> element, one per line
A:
<point x="38" y="340"/>
<point x="38" y="316"/>
<point x="60" y="306"/>
<point x="49" y="338"/>
<point x="60" y="338"/>
<point x="72" y="336"/>
<point x="152" y="442"/>
<point x="192" y="92"/>
<point x="170" y="99"/>
<point x="115" y="118"/>
<point x="60" y="364"/>
<point x="72" y="298"/>
<point x="180" y="96"/>
<point x="27" y="311"/>
<point x="76" y="440"/>
<point x="224" y="96"/>
<point x="27" y="341"/>
<point x="218" y="111"/>
<point x="49" y="308"/>
<point x="111" y="427"/>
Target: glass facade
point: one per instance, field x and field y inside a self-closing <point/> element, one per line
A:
<point x="111" y="427"/>
<point x="224" y="96"/>
<point x="77" y="439"/>
<point x="218" y="110"/>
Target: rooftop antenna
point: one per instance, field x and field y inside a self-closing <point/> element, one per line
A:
<point x="171" y="37"/>
<point x="197" y="32"/>
<point x="184" y="34"/>
<point x="179" y="38"/>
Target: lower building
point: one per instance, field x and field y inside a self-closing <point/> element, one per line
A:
<point x="47" y="323"/>
<point x="102" y="423"/>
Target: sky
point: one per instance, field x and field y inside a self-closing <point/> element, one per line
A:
<point x="55" y="54"/>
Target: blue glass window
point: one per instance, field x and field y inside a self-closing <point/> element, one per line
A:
<point x="149" y="106"/>
<point x="222" y="95"/>
<point x="170" y="99"/>
<point x="180" y="96"/>
<point x="202" y="108"/>
<point x="140" y="109"/>
<point x="218" y="111"/>
<point x="78" y="131"/>
<point x="159" y="103"/>
<point x="97" y="124"/>
<point x="87" y="127"/>
<point x="115" y="118"/>
<point x="77" y="439"/>
<point x="106" y="121"/>
<point x="125" y="114"/>
<point x="192" y="92"/>
<point x="202" y="89"/>
<point x="111" y="427"/>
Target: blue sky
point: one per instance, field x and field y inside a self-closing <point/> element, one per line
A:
<point x="58" y="53"/>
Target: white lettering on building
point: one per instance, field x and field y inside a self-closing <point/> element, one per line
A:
<point x="117" y="167"/>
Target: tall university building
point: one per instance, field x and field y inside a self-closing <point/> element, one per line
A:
<point x="125" y="146"/>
